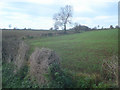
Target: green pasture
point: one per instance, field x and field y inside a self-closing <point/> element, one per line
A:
<point x="81" y="52"/>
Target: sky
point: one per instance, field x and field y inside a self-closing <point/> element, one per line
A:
<point x="38" y="14"/>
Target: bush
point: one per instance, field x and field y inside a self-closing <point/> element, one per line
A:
<point x="18" y="80"/>
<point x="84" y="81"/>
<point x="63" y="79"/>
<point x="101" y="85"/>
<point x="22" y="72"/>
<point x="90" y="81"/>
<point x="58" y="79"/>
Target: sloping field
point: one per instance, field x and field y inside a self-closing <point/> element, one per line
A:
<point x="82" y="52"/>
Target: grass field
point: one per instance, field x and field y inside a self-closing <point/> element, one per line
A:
<point x="82" y="52"/>
<point x="81" y="57"/>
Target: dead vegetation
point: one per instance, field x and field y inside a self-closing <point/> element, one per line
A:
<point x="14" y="50"/>
<point x="9" y="49"/>
<point x="110" y="68"/>
<point x="21" y="57"/>
<point x="40" y="61"/>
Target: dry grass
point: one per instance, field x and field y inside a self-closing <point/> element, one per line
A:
<point x="21" y="57"/>
<point x="40" y="61"/>
<point x="110" y="68"/>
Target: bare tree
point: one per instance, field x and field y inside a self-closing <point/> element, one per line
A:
<point x="63" y="17"/>
<point x="56" y="27"/>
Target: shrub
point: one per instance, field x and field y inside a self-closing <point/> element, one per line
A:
<point x="58" y="79"/>
<point x="22" y="72"/>
<point x="101" y="85"/>
<point x="84" y="81"/>
<point x="18" y="80"/>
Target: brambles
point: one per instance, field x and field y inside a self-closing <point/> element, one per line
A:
<point x="57" y="78"/>
<point x="110" y="68"/>
<point x="19" y="80"/>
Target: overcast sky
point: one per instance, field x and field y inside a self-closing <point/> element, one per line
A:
<point x="38" y="14"/>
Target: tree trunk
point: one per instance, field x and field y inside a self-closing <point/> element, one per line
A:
<point x="64" y="28"/>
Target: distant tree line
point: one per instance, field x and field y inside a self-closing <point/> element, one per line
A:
<point x="78" y="28"/>
<point x="63" y="18"/>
